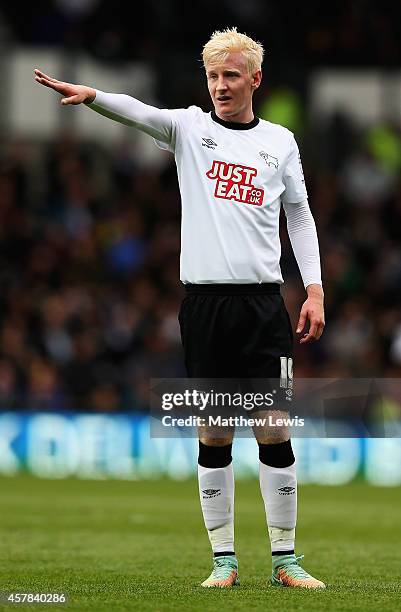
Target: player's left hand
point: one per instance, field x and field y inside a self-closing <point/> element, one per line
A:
<point x="313" y="311"/>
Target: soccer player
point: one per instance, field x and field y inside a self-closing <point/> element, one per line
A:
<point x="234" y="171"/>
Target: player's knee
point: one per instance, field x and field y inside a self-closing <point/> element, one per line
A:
<point x="276" y="455"/>
<point x="214" y="456"/>
<point x="210" y="439"/>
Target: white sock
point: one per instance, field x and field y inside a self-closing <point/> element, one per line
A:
<point x="279" y="492"/>
<point x="216" y="491"/>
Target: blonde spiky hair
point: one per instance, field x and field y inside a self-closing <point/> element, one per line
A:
<point x="221" y="43"/>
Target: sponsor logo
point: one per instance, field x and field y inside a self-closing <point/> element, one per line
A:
<point x="300" y="166"/>
<point x="235" y="182"/>
<point x="269" y="159"/>
<point x="209" y="493"/>
<point x="209" y="143"/>
<point x="286" y="490"/>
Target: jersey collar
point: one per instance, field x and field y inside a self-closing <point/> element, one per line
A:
<point x="233" y="125"/>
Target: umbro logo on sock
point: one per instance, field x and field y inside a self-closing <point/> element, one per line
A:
<point x="209" y="493"/>
<point x="286" y="490"/>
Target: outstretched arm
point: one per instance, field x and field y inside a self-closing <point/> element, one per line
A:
<point x="119" y="107"/>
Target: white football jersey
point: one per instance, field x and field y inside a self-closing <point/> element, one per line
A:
<point x="232" y="179"/>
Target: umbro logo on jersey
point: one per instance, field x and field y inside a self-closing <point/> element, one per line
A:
<point x="209" y="143"/>
<point x="269" y="159"/>
<point x="209" y="493"/>
<point x="286" y="490"/>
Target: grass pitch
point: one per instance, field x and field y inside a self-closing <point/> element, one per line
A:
<point x="141" y="546"/>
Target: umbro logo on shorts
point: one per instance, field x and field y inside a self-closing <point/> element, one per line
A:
<point x="209" y="143"/>
<point x="286" y="490"/>
<point x="209" y="493"/>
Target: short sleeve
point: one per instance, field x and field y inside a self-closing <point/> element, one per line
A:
<point x="293" y="177"/>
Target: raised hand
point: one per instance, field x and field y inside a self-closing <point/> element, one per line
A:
<point x="73" y="94"/>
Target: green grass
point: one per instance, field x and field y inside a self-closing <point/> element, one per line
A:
<point x="141" y="546"/>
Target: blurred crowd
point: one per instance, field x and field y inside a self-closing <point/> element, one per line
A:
<point x="89" y="282"/>
<point x="90" y="236"/>
<point x="90" y="290"/>
<point x="350" y="32"/>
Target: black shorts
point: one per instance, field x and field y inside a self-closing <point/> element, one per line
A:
<point x="235" y="331"/>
